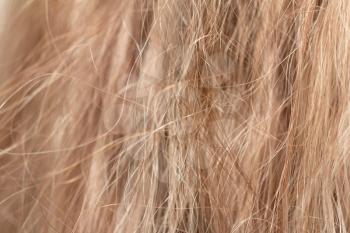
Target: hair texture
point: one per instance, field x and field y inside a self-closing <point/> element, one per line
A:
<point x="207" y="116"/>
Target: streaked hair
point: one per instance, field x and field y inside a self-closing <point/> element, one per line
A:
<point x="175" y="116"/>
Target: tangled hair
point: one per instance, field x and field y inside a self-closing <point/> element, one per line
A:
<point x="201" y="116"/>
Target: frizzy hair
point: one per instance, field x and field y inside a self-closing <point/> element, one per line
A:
<point x="175" y="116"/>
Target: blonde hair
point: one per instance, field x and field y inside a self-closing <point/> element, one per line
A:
<point x="175" y="116"/>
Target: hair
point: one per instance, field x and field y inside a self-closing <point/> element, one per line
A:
<point x="175" y="116"/>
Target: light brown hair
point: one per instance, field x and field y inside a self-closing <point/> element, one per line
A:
<point x="175" y="116"/>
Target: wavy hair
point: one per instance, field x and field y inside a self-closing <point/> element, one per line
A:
<point x="203" y="116"/>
